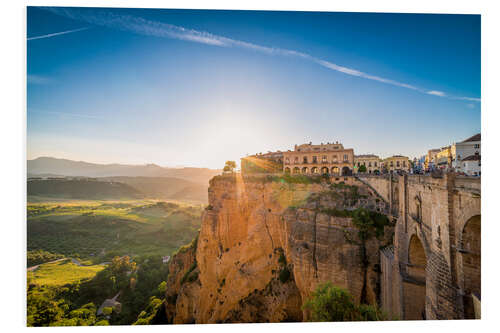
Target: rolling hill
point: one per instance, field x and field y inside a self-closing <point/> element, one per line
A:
<point x="65" y="167"/>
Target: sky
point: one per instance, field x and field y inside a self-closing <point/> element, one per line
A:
<point x="199" y="87"/>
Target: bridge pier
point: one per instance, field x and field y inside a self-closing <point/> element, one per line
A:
<point x="433" y="269"/>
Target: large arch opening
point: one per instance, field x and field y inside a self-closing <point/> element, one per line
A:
<point x="335" y="170"/>
<point x="287" y="170"/>
<point x="304" y="170"/>
<point x="414" y="302"/>
<point x="296" y="170"/>
<point x="346" y="171"/>
<point x="324" y="170"/>
<point x="471" y="267"/>
<point x="314" y="170"/>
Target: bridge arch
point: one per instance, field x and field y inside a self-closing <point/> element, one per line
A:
<point x="470" y="250"/>
<point x="415" y="286"/>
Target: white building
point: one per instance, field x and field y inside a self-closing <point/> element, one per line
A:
<point x="471" y="165"/>
<point x="462" y="150"/>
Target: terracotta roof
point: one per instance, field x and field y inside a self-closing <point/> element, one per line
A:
<point x="476" y="137"/>
<point x="472" y="158"/>
<point x="365" y="155"/>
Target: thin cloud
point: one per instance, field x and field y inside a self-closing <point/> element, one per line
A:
<point x="436" y="93"/>
<point x="38" y="79"/>
<point x="57" y="33"/>
<point x="142" y="26"/>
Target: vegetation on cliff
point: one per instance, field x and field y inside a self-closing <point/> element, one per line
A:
<point x="331" y="303"/>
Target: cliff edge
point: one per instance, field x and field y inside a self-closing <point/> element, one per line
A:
<point x="267" y="241"/>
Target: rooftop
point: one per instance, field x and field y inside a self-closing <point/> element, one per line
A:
<point x="473" y="138"/>
<point x="472" y="158"/>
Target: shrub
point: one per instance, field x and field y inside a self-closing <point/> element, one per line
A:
<point x="284" y="275"/>
<point x="331" y="303"/>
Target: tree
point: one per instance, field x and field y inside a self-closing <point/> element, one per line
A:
<point x="230" y="166"/>
<point x="330" y="303"/>
<point x="362" y="169"/>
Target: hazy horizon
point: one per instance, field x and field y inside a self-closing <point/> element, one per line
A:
<point x="194" y="88"/>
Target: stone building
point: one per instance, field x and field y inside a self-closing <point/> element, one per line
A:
<point x="328" y="158"/>
<point x="430" y="159"/>
<point x="370" y="161"/>
<point x="444" y="158"/>
<point x="464" y="149"/>
<point x="396" y="163"/>
<point x="270" y="162"/>
<point x="471" y="165"/>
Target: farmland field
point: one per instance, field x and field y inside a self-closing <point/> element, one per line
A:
<point x="62" y="272"/>
<point x="100" y="230"/>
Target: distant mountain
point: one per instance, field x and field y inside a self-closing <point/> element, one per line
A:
<point x="165" y="187"/>
<point x="65" y="167"/>
<point x="82" y="189"/>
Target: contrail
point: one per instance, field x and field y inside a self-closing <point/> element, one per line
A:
<point x="142" y="26"/>
<point x="57" y="34"/>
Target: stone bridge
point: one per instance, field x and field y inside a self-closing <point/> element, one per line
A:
<point x="433" y="270"/>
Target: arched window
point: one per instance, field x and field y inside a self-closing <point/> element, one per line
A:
<point x="304" y="160"/>
<point x="315" y="159"/>
<point x="296" y="161"/>
<point x="287" y="160"/>
<point x="323" y="159"/>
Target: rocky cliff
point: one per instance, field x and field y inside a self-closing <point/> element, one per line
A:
<point x="266" y="242"/>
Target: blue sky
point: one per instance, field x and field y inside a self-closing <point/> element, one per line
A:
<point x="196" y="88"/>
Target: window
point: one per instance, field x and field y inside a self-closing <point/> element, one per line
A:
<point x="476" y="146"/>
<point x="359" y="164"/>
<point x="287" y="160"/>
<point x="296" y="160"/>
<point x="397" y="164"/>
<point x="404" y="164"/>
<point x="369" y="164"/>
<point x="375" y="163"/>
<point x="324" y="159"/>
<point x="315" y="159"/>
<point x="392" y="164"/>
<point x="305" y="159"/>
<point x="334" y="158"/>
<point x="346" y="158"/>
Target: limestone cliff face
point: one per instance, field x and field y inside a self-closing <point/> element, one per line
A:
<point x="266" y="243"/>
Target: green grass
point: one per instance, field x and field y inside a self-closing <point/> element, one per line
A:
<point x="99" y="230"/>
<point x="61" y="273"/>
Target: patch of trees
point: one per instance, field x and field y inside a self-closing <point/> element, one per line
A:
<point x="38" y="257"/>
<point x="141" y="284"/>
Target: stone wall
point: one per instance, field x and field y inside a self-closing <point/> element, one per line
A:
<point x="436" y="247"/>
